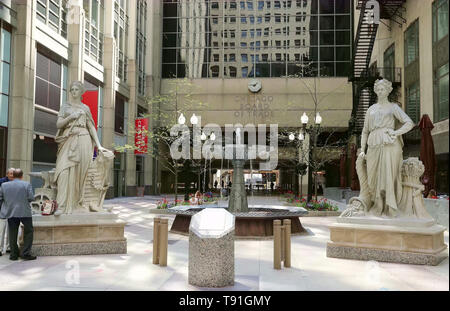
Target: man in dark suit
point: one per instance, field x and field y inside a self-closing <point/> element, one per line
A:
<point x="15" y="198"/>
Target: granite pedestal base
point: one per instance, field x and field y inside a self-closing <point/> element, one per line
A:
<point x="407" y="241"/>
<point x="79" y="234"/>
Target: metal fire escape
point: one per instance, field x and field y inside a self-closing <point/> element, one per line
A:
<point x="363" y="77"/>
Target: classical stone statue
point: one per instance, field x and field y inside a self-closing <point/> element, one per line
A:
<point x="76" y="138"/>
<point x="388" y="185"/>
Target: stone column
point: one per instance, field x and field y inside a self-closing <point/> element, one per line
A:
<point x="21" y="107"/>
<point x="130" y="173"/>
<point x="75" y="36"/>
<point x="109" y="90"/>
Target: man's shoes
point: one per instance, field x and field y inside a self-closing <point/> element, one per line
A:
<point x="13" y="258"/>
<point x="29" y="257"/>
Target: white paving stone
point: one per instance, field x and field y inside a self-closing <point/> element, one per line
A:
<point x="311" y="269"/>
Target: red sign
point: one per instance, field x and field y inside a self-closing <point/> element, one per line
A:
<point x="141" y="137"/>
<point x="90" y="99"/>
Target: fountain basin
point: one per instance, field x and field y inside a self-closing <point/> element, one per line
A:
<point x="257" y="223"/>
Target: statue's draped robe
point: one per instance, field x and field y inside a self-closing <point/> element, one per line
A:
<point x="385" y="157"/>
<point x="75" y="153"/>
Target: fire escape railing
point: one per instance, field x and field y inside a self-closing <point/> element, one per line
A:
<point x="363" y="77"/>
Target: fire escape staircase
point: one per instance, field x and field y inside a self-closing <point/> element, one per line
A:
<point x="363" y="77"/>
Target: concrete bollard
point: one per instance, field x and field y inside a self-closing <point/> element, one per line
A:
<point x="277" y="244"/>
<point x="156" y="240"/>
<point x="160" y="241"/>
<point x="163" y="242"/>
<point x="287" y="243"/>
<point x="281" y="244"/>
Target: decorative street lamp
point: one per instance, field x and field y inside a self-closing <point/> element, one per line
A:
<point x="313" y="132"/>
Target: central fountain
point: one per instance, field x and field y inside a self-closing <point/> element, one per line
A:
<point x="252" y="222"/>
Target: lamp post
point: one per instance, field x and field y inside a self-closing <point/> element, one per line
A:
<point x="313" y="131"/>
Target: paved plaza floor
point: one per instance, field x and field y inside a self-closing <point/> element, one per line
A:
<point x="311" y="269"/>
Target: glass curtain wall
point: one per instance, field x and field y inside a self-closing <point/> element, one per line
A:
<point x="239" y="39"/>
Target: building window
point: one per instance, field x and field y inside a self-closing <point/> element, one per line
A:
<point x="413" y="102"/>
<point x="389" y="63"/>
<point x="5" y="72"/>
<point x="141" y="44"/>
<point x="51" y="82"/>
<point x="440" y="19"/>
<point x="412" y="43"/>
<point x="121" y="36"/>
<point x="120" y="115"/>
<point x="140" y="171"/>
<point x="441" y="93"/>
<point x="93" y="47"/>
<point x="54" y="14"/>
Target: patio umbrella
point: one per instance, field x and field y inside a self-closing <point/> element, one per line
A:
<point x="427" y="155"/>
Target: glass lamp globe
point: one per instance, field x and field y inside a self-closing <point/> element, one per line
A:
<point x="318" y="119"/>
<point x="181" y="119"/>
<point x="212" y="137"/>
<point x="291" y="137"/>
<point x="301" y="137"/>
<point x="194" y="119"/>
<point x="203" y="137"/>
<point x="304" y="118"/>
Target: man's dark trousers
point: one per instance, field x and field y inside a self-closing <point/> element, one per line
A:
<point x="13" y="225"/>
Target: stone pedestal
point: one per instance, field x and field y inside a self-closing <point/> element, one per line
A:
<point x="211" y="249"/>
<point x="407" y="240"/>
<point x="80" y="234"/>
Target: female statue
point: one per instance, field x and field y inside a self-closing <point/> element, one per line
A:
<point x="384" y="156"/>
<point x="76" y="138"/>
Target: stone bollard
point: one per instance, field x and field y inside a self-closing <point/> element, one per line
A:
<point x="211" y="248"/>
<point x="281" y="243"/>
<point x="160" y="241"/>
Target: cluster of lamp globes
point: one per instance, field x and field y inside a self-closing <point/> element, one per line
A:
<point x="212" y="137"/>
<point x="194" y="121"/>
<point x="305" y="120"/>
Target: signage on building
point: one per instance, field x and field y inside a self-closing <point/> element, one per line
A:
<point x="90" y="99"/>
<point x="141" y="136"/>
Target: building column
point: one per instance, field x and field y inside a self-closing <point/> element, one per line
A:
<point x="153" y="83"/>
<point x="109" y="87"/>
<point x="75" y="36"/>
<point x="21" y="108"/>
